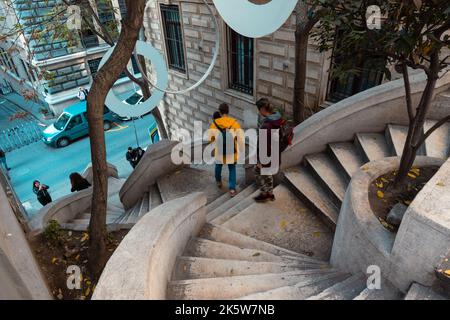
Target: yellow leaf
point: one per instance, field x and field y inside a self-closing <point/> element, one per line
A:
<point x="379" y="185"/>
<point x="54" y="260"/>
<point x="416" y="171"/>
<point x="256" y="254"/>
<point x="384" y="180"/>
<point x="282" y="224"/>
<point x="447" y="272"/>
<point x="407" y="202"/>
<point x="440" y="184"/>
<point x="411" y="175"/>
<point x="88" y="290"/>
<point x="85" y="237"/>
<point x="316" y="234"/>
<point x="380" y="194"/>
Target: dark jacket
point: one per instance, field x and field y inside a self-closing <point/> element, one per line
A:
<point x="83" y="184"/>
<point x="132" y="156"/>
<point x="272" y="122"/>
<point x="42" y="194"/>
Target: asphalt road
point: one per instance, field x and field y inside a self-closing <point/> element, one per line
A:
<point x="53" y="166"/>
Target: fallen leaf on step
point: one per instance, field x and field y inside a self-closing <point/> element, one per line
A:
<point x="256" y="254"/>
<point x="85" y="237"/>
<point x="316" y="234"/>
<point x="440" y="184"/>
<point x="416" y="171"/>
<point x="380" y="194"/>
<point x="283" y="224"/>
<point x="447" y="272"/>
<point x="407" y="202"/>
<point x="412" y="176"/>
<point x="384" y="180"/>
<point x="54" y="260"/>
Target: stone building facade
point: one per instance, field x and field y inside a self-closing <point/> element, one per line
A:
<point x="272" y="66"/>
<point x="69" y="65"/>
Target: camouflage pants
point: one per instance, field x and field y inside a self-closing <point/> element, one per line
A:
<point x="264" y="181"/>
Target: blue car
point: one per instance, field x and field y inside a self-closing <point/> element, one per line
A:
<point x="72" y="124"/>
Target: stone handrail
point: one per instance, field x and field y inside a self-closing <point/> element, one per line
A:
<point x="68" y="207"/>
<point x="155" y="163"/>
<point x="142" y="265"/>
<point x="360" y="239"/>
<point x="62" y="210"/>
<point x="367" y="111"/>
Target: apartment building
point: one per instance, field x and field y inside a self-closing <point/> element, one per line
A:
<point x="67" y="65"/>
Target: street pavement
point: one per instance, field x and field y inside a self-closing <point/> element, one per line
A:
<point x="53" y="166"/>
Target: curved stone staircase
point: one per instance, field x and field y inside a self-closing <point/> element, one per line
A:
<point x="233" y="258"/>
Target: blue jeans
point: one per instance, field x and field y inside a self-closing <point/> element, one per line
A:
<point x="232" y="175"/>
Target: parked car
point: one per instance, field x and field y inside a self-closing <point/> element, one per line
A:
<point x="72" y="124"/>
<point x="134" y="99"/>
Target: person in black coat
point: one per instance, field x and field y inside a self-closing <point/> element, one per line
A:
<point x="78" y="182"/>
<point x="132" y="157"/>
<point x="41" y="190"/>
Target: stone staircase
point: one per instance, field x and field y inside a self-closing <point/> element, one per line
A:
<point x="239" y="254"/>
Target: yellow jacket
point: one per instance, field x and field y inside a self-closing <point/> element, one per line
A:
<point x="227" y="122"/>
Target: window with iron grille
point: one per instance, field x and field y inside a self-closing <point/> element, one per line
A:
<point x="93" y="67"/>
<point x="174" y="37"/>
<point x="123" y="9"/>
<point x="240" y="62"/>
<point x="106" y="15"/>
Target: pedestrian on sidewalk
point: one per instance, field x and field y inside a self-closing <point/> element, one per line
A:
<point x="82" y="94"/>
<point x="229" y="132"/>
<point x="3" y="160"/>
<point x="132" y="157"/>
<point x="77" y="182"/>
<point x="41" y="190"/>
<point x="272" y="120"/>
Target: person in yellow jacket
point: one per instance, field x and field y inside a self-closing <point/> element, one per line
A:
<point x="229" y="138"/>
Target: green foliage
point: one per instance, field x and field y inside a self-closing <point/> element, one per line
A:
<point x="53" y="232"/>
<point x="411" y="31"/>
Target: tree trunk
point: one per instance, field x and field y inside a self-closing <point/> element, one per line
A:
<point x="103" y="82"/>
<point x="303" y="28"/>
<point x="415" y="130"/>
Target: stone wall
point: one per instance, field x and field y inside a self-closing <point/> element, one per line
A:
<point x="273" y="64"/>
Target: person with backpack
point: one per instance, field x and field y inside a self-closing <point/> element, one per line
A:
<point x="82" y="94"/>
<point x="3" y="160"/>
<point x="272" y="120"/>
<point x="229" y="139"/>
<point x="41" y="190"/>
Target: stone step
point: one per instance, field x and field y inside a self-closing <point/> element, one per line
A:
<point x="200" y="268"/>
<point x="235" y="287"/>
<point x="282" y="223"/>
<point x="344" y="290"/>
<point x="438" y="143"/>
<point x="328" y="174"/>
<point x="420" y="292"/>
<point x="396" y="138"/>
<point x="303" y="184"/>
<point x="86" y="215"/>
<point x="188" y="180"/>
<point x="300" y="290"/>
<point x="347" y="157"/>
<point x="218" y="202"/>
<point x="236" y="209"/>
<point x="372" y="146"/>
<point x="145" y="202"/>
<point x="229" y="203"/>
<point x="386" y="292"/>
<point x="221" y="234"/>
<point x="154" y="198"/>
<point x="203" y="248"/>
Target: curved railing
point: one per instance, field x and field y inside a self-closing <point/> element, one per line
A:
<point x="142" y="265"/>
<point x="367" y="111"/>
